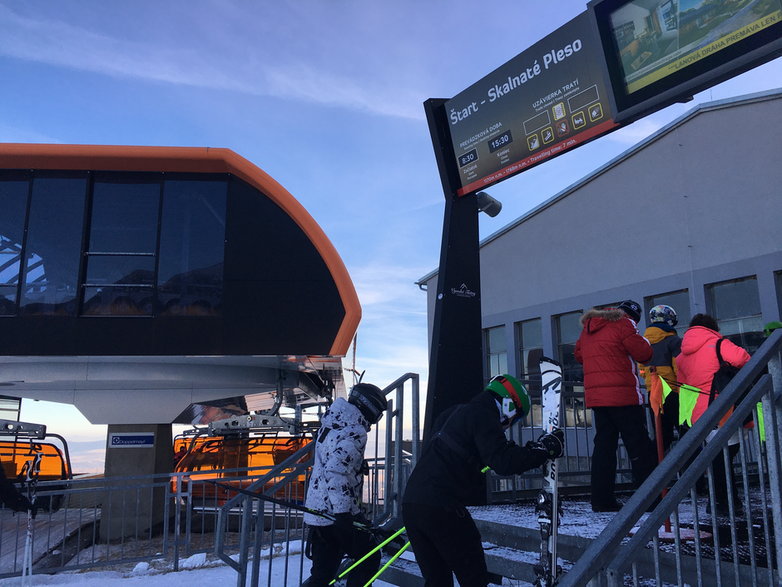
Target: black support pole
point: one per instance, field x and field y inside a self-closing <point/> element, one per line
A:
<point x="456" y="357"/>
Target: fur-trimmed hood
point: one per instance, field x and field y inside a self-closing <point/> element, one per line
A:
<point x="609" y="348"/>
<point x="594" y="319"/>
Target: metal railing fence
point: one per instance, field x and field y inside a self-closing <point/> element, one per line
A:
<point x="94" y="522"/>
<point x="735" y="540"/>
<point x="279" y="539"/>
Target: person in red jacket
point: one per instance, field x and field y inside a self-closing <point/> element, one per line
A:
<point x="697" y="365"/>
<point x="610" y="349"/>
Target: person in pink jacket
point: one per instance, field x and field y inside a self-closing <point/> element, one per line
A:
<point x="697" y="365"/>
<point x="698" y="361"/>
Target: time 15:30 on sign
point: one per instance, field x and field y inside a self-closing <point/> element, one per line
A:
<point x="500" y="141"/>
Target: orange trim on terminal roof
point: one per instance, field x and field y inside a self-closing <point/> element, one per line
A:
<point x="195" y="160"/>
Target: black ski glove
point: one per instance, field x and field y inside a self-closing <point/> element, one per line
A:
<point x="537" y="454"/>
<point x="554" y="443"/>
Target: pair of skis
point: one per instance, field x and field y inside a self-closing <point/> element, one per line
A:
<point x="548" y="508"/>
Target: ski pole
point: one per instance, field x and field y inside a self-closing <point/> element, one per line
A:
<point x="388" y="564"/>
<point x="288" y="504"/>
<point x="367" y="555"/>
<point x="33" y="467"/>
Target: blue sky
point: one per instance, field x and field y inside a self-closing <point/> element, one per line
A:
<point x="324" y="95"/>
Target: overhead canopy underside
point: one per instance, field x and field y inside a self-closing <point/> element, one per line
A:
<point x="153" y="390"/>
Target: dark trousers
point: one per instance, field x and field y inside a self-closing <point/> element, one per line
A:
<point x="610" y="423"/>
<point x="445" y="541"/>
<point x="670" y="419"/>
<point x="723" y="478"/>
<point x="329" y="546"/>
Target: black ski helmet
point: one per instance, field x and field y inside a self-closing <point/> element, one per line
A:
<point x="369" y="400"/>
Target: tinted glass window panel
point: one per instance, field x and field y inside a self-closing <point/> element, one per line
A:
<point x="13" y="202"/>
<point x="496" y="353"/>
<point x="124" y="216"/>
<point x="495" y="339"/>
<point x="530" y="336"/>
<point x="125" y="269"/>
<point x="498" y="364"/>
<point x="53" y="249"/>
<point x="736" y="306"/>
<point x="7" y="300"/>
<point x="117" y="301"/>
<point x="531" y="333"/>
<point x="192" y="247"/>
<point x="568" y="330"/>
<point x="745" y="332"/>
<point x="569" y="327"/>
<point x="735" y="299"/>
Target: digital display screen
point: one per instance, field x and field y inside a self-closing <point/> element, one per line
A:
<point x="657" y="38"/>
<point x="548" y="99"/>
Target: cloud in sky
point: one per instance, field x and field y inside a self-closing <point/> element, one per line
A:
<point x="193" y="63"/>
<point x="392" y="336"/>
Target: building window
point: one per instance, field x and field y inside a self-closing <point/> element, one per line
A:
<point x="122" y="250"/>
<point x="678" y="300"/>
<point x="496" y="351"/>
<point x="568" y="329"/>
<point x="13" y="200"/>
<point x="736" y="306"/>
<point x="192" y="248"/>
<point x="53" y="245"/>
<point x="529" y="336"/>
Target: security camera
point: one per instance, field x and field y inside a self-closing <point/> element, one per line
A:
<point x="488" y="204"/>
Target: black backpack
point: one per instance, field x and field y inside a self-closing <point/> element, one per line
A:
<point x="723" y="375"/>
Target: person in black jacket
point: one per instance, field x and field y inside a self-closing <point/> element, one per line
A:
<point x="11" y="497"/>
<point x="448" y="477"/>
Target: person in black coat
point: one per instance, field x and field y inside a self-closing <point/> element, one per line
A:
<point x="448" y="477"/>
<point x="11" y="497"/>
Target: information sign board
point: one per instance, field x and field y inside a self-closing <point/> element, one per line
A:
<point x="131" y="440"/>
<point x="660" y="51"/>
<point x="543" y="102"/>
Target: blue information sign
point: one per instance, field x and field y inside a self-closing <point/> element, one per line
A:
<point x="131" y="440"/>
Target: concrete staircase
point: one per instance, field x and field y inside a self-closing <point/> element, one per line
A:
<point x="510" y="551"/>
<point x="512" y="546"/>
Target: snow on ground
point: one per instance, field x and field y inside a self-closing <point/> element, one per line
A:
<point x="578" y="519"/>
<point x="196" y="570"/>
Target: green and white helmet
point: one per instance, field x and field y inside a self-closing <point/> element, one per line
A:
<point x="512" y="397"/>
